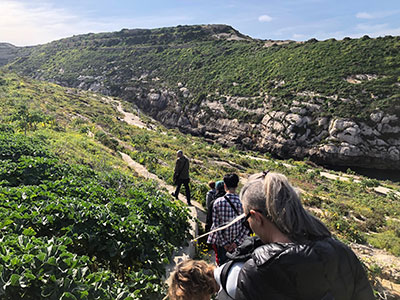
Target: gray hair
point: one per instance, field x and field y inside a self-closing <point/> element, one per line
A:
<point x="179" y="153"/>
<point x="272" y="194"/>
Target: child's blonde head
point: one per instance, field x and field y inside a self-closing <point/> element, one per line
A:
<point x="192" y="280"/>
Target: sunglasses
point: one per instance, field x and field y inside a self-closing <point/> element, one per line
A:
<point x="245" y="221"/>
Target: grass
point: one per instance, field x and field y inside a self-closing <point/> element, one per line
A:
<point x="79" y="134"/>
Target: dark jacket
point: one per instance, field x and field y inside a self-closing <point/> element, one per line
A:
<point x="210" y="209"/>
<point x="210" y="197"/>
<point x="321" y="270"/>
<point x="181" y="168"/>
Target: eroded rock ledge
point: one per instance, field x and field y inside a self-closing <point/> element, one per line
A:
<point x="334" y="141"/>
<point x="373" y="143"/>
<point x="298" y="131"/>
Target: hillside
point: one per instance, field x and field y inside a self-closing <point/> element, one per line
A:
<point x="75" y="222"/>
<point x="66" y="173"/>
<point x="334" y="102"/>
<point x="8" y="53"/>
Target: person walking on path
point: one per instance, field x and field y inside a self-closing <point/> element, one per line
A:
<point x="219" y="191"/>
<point x="224" y="210"/>
<point x="211" y="193"/>
<point x="181" y="175"/>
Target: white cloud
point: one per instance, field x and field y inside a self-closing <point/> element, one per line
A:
<point x="364" y="15"/>
<point x="376" y="15"/>
<point x="26" y="24"/>
<point x="264" y="18"/>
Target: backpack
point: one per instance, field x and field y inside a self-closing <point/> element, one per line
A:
<point x="223" y="293"/>
<point x="241" y="254"/>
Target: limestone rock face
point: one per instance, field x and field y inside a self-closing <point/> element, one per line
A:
<point x="340" y="142"/>
<point x="297" y="132"/>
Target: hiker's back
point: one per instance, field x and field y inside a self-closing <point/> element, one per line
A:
<point x="219" y="192"/>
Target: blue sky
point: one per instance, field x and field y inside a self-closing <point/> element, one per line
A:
<point x="30" y="22"/>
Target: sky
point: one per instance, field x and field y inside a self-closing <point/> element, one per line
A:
<point x="32" y="22"/>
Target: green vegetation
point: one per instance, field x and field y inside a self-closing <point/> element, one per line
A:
<point x="143" y="59"/>
<point x="69" y="231"/>
<point x="75" y="221"/>
<point x="352" y="210"/>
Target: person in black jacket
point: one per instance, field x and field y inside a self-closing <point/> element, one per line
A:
<point x="181" y="175"/>
<point x="211" y="193"/>
<point x="299" y="258"/>
<point x="219" y="192"/>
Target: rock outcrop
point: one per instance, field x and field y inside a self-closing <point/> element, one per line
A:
<point x="298" y="132"/>
<point x="333" y="141"/>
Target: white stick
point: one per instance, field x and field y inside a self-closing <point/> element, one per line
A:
<point x="220" y="228"/>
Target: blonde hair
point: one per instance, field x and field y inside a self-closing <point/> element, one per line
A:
<point x="192" y="280"/>
<point x="272" y="194"/>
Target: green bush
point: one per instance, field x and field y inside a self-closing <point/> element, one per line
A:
<point x="72" y="232"/>
<point x="13" y="146"/>
<point x="43" y="268"/>
<point x="106" y="140"/>
<point x="387" y="240"/>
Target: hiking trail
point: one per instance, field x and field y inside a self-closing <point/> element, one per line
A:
<point x="389" y="263"/>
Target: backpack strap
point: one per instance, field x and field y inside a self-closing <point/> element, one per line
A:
<point x="224" y="274"/>
<point x="231" y="204"/>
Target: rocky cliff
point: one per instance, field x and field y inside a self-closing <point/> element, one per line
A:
<point x="297" y="132"/>
<point x="335" y="102"/>
<point x="339" y="142"/>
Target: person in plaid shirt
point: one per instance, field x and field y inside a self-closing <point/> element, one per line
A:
<point x="223" y="212"/>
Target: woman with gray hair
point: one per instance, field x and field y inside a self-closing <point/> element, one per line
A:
<point x="298" y="259"/>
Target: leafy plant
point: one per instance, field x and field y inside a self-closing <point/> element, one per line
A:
<point x="70" y="232"/>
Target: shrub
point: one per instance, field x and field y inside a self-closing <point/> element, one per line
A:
<point x="106" y="140"/>
<point x="69" y="232"/>
<point x="386" y="240"/>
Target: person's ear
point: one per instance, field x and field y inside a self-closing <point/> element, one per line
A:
<point x="257" y="216"/>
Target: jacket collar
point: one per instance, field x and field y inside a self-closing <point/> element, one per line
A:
<point x="263" y="254"/>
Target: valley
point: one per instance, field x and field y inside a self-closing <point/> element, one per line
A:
<point x="333" y="102"/>
<point x="90" y="126"/>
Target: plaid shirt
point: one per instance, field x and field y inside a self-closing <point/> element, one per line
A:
<point x="223" y="214"/>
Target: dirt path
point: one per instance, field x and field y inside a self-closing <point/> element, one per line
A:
<point x="196" y="211"/>
<point x="131" y="118"/>
<point x="389" y="264"/>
